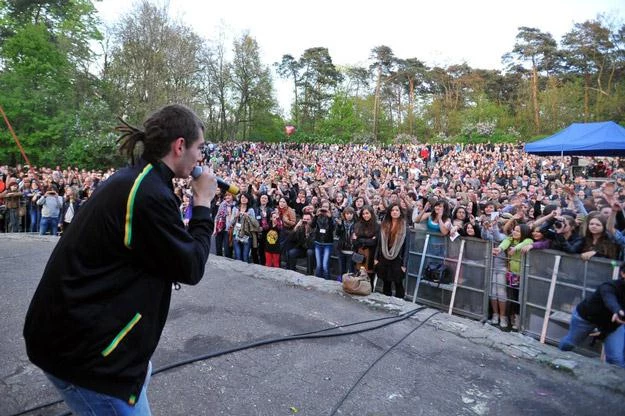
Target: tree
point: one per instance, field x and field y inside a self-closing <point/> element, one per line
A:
<point x="343" y="121"/>
<point x="357" y="80"/>
<point x="541" y="50"/>
<point x="319" y="78"/>
<point x="251" y="83"/>
<point x="221" y="75"/>
<point x="587" y="50"/>
<point x="411" y="72"/>
<point x="289" y="67"/>
<point x="154" y="62"/>
<point x="44" y="83"/>
<point x="382" y="65"/>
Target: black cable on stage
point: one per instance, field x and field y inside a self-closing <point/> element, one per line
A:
<point x="307" y="335"/>
<point x="340" y="403"/>
<point x="304" y="335"/>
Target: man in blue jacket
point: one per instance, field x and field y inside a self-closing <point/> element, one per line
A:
<point x="603" y="310"/>
<point x="101" y="305"/>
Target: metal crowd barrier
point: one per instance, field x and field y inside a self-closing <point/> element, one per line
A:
<point x="552" y="282"/>
<point x="468" y="261"/>
<point x="555" y="282"/>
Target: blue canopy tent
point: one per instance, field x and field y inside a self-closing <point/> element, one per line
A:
<point x="604" y="138"/>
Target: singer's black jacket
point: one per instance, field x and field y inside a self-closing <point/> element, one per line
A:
<point x="100" y="307"/>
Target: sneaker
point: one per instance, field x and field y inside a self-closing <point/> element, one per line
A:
<point x="494" y="320"/>
<point x="503" y="322"/>
<point x="515" y="322"/>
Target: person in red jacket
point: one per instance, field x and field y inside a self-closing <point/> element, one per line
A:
<point x="101" y="305"/>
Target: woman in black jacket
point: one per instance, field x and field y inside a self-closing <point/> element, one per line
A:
<point x="366" y="239"/>
<point x="564" y="235"/>
<point x="71" y="203"/>
<point x="390" y="260"/>
<point x="323" y="225"/>
<point x="344" y="230"/>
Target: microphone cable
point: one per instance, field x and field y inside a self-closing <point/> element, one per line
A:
<point x="340" y="402"/>
<point x="317" y="334"/>
<point x="306" y="335"/>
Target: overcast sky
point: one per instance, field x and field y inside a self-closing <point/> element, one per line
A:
<point x="438" y="32"/>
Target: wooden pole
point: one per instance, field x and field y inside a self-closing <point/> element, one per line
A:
<point x="6" y="120"/>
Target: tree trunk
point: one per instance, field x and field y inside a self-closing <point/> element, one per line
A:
<point x="411" y="106"/>
<point x="535" y="100"/>
<point x="376" y="104"/>
<point x="586" y="97"/>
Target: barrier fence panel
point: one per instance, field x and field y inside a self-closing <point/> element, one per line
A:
<point x="471" y="299"/>
<point x="576" y="279"/>
<point x="472" y="260"/>
<point x="416" y="246"/>
<point x="573" y="279"/>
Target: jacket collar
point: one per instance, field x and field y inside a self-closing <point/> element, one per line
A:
<point x="163" y="171"/>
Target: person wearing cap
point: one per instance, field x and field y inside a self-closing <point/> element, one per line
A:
<point x="603" y="310"/>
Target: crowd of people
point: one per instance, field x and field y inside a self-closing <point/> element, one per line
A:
<point x="310" y="201"/>
<point x="44" y="200"/>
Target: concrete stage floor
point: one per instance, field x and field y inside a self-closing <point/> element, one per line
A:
<point x="448" y="366"/>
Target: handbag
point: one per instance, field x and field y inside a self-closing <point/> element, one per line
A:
<point x="358" y="258"/>
<point x="356" y="284"/>
<point x="437" y="273"/>
<point x="244" y="239"/>
<point x="513" y="279"/>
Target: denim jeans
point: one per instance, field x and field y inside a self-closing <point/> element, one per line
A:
<point x="294" y="253"/>
<point x="346" y="263"/>
<point x="242" y="250"/>
<point x="85" y="402"/>
<point x="34" y="218"/>
<point x="14" y="220"/>
<point x="614" y="344"/>
<point x="48" y="224"/>
<point x="322" y="259"/>
<point x="222" y="247"/>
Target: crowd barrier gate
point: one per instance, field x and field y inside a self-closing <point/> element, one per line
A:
<point x="552" y="282"/>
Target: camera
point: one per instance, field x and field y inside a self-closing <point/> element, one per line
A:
<point x="558" y="224"/>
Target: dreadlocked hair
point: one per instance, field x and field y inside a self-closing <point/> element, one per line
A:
<point x="159" y="130"/>
<point x="128" y="140"/>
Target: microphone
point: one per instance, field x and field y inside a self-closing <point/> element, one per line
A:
<point x="223" y="185"/>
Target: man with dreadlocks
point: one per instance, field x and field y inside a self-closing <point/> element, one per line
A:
<point x="101" y="305"/>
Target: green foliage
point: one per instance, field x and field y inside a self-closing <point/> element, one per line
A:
<point x="43" y="81"/>
<point x="267" y="127"/>
<point x="342" y="121"/>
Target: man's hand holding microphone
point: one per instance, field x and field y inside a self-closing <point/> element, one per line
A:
<point x="204" y="185"/>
